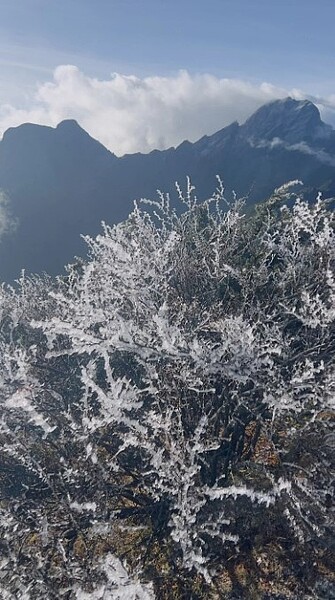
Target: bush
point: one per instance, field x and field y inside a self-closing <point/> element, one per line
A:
<point x="171" y="402"/>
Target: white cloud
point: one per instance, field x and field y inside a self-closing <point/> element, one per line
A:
<point x="321" y="155"/>
<point x="131" y="114"/>
<point x="303" y="147"/>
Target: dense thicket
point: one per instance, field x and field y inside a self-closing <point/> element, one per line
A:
<point x="170" y="404"/>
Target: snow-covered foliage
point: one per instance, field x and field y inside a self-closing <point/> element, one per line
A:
<point x="178" y="381"/>
<point x="118" y="586"/>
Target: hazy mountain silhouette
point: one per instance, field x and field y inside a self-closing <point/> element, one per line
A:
<point x="61" y="183"/>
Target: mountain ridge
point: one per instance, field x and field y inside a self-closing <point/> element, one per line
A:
<point x="61" y="182"/>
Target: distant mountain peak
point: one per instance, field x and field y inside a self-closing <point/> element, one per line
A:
<point x="69" y="125"/>
<point x="70" y="128"/>
<point x="70" y="132"/>
<point x="26" y="129"/>
<point x="31" y="131"/>
<point x="290" y="120"/>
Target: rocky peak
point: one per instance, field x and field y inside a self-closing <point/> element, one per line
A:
<point x="292" y="121"/>
<point x="69" y="124"/>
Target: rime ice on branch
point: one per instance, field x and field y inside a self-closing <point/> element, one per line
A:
<point x="179" y="380"/>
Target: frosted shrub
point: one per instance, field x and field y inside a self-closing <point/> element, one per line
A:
<point x="177" y="388"/>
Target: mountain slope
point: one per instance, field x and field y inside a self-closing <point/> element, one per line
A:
<point x="61" y="182"/>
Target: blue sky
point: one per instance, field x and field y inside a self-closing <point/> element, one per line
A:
<point x="288" y="44"/>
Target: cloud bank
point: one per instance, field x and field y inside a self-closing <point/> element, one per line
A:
<point x="303" y="147"/>
<point x="131" y="114"/>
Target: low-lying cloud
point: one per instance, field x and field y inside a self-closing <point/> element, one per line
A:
<point x="8" y="223"/>
<point x="130" y="114"/>
<point x="303" y="147"/>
